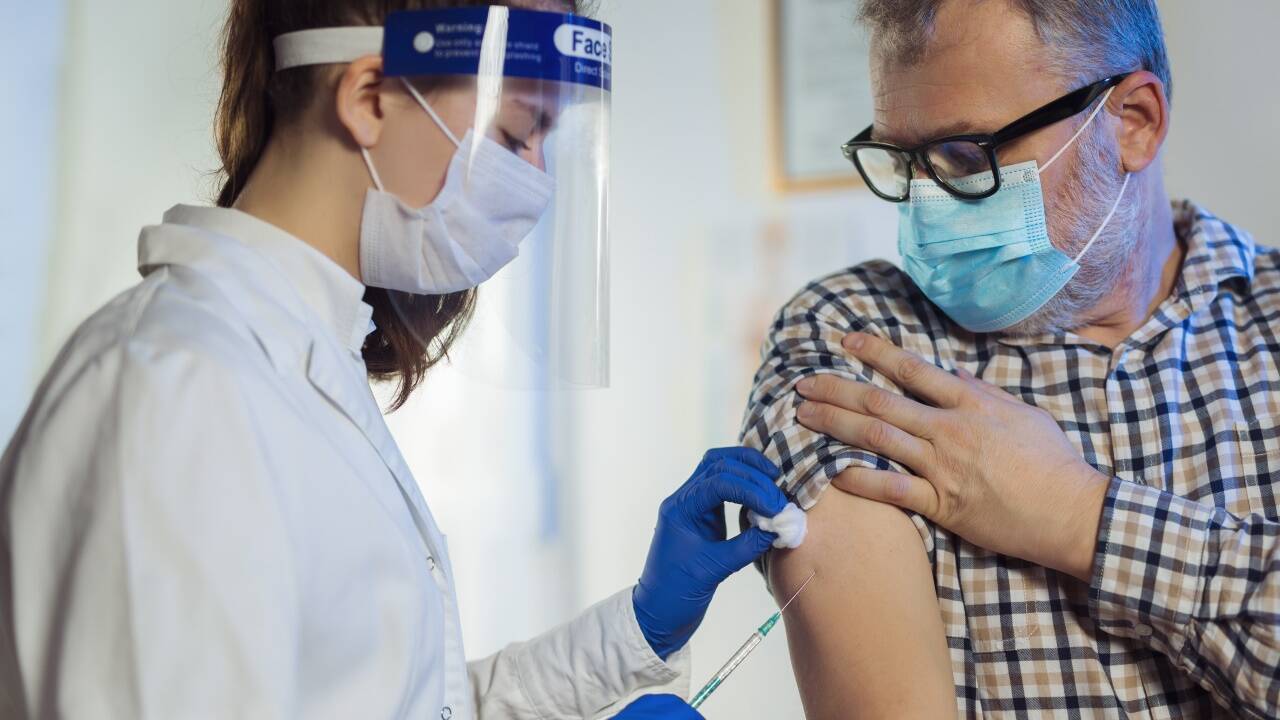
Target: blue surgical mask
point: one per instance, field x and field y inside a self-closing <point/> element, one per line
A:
<point x="988" y="264"/>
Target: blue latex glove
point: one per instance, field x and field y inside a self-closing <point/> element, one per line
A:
<point x="689" y="556"/>
<point x="658" y="707"/>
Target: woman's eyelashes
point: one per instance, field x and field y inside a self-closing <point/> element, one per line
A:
<point x="513" y="143"/>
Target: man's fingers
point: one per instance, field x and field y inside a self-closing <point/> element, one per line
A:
<point x="905" y="491"/>
<point x="865" y="432"/>
<point x="984" y="386"/>
<point x="908" y="370"/>
<point x="866" y="399"/>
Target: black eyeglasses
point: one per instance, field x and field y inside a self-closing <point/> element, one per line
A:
<point x="964" y="165"/>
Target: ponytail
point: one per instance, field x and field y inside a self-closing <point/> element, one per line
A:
<point x="243" y="119"/>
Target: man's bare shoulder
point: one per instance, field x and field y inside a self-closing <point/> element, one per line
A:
<point x="871" y="611"/>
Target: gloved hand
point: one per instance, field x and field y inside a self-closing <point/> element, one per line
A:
<point x="658" y="707"/>
<point x="689" y="556"/>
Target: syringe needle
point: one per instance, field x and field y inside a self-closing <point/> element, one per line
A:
<point x="796" y="594"/>
<point x="747" y="648"/>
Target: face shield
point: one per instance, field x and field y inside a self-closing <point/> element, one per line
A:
<point x="537" y="85"/>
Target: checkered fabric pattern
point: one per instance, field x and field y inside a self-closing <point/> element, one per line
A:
<point x="1182" y="617"/>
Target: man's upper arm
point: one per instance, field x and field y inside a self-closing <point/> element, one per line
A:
<point x="866" y="636"/>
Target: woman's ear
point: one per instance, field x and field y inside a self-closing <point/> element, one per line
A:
<point x="359" y="102"/>
<point x="1142" y="105"/>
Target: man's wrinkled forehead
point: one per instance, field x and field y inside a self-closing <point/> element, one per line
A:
<point x="982" y="66"/>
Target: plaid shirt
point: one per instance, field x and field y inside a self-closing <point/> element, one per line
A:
<point x="1182" y="617"/>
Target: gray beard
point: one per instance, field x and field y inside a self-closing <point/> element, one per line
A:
<point x="1081" y="206"/>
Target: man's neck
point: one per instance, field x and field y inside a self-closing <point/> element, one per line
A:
<point x="1150" y="278"/>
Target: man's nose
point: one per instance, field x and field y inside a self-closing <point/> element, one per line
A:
<point x="918" y="170"/>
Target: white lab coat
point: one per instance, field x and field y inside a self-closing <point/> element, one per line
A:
<point x="203" y="514"/>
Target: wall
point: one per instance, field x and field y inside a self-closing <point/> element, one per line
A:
<point x="1226" y="109"/>
<point x="134" y="139"/>
<point x="30" y="39"/>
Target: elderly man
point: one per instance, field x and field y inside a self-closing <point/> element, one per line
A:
<point x="1090" y="420"/>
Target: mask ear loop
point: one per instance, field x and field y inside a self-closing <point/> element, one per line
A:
<point x="1107" y="220"/>
<point x="425" y="106"/>
<point x="368" y="162"/>
<point x="1089" y="121"/>
<point x="1086" y="124"/>
<point x="364" y="152"/>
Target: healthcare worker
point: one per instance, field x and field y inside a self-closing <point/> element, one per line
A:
<point x="203" y="513"/>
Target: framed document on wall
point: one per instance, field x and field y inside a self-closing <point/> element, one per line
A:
<point x="821" y="92"/>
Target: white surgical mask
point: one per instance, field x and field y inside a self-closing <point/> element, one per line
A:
<point x="490" y="201"/>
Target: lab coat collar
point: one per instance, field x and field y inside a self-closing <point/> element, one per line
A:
<point x="330" y="293"/>
<point x="212" y="242"/>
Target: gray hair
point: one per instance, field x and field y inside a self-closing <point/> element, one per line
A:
<point x="1089" y="39"/>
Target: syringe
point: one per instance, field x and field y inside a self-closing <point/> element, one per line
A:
<point x="747" y="648"/>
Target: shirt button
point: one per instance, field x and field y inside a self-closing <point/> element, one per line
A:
<point x="431" y="563"/>
<point x="1143" y="630"/>
<point x="446" y="712"/>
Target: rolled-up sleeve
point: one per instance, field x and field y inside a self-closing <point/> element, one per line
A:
<point x="805" y="340"/>
<point x="1196" y="584"/>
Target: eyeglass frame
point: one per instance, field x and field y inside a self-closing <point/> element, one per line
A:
<point x="1069" y="105"/>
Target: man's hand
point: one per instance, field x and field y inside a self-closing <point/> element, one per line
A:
<point x="997" y="472"/>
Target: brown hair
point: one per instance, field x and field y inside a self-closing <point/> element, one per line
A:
<point x="411" y="339"/>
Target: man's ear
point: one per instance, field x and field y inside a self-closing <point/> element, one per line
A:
<point x="1143" y="108"/>
<point x="358" y="100"/>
